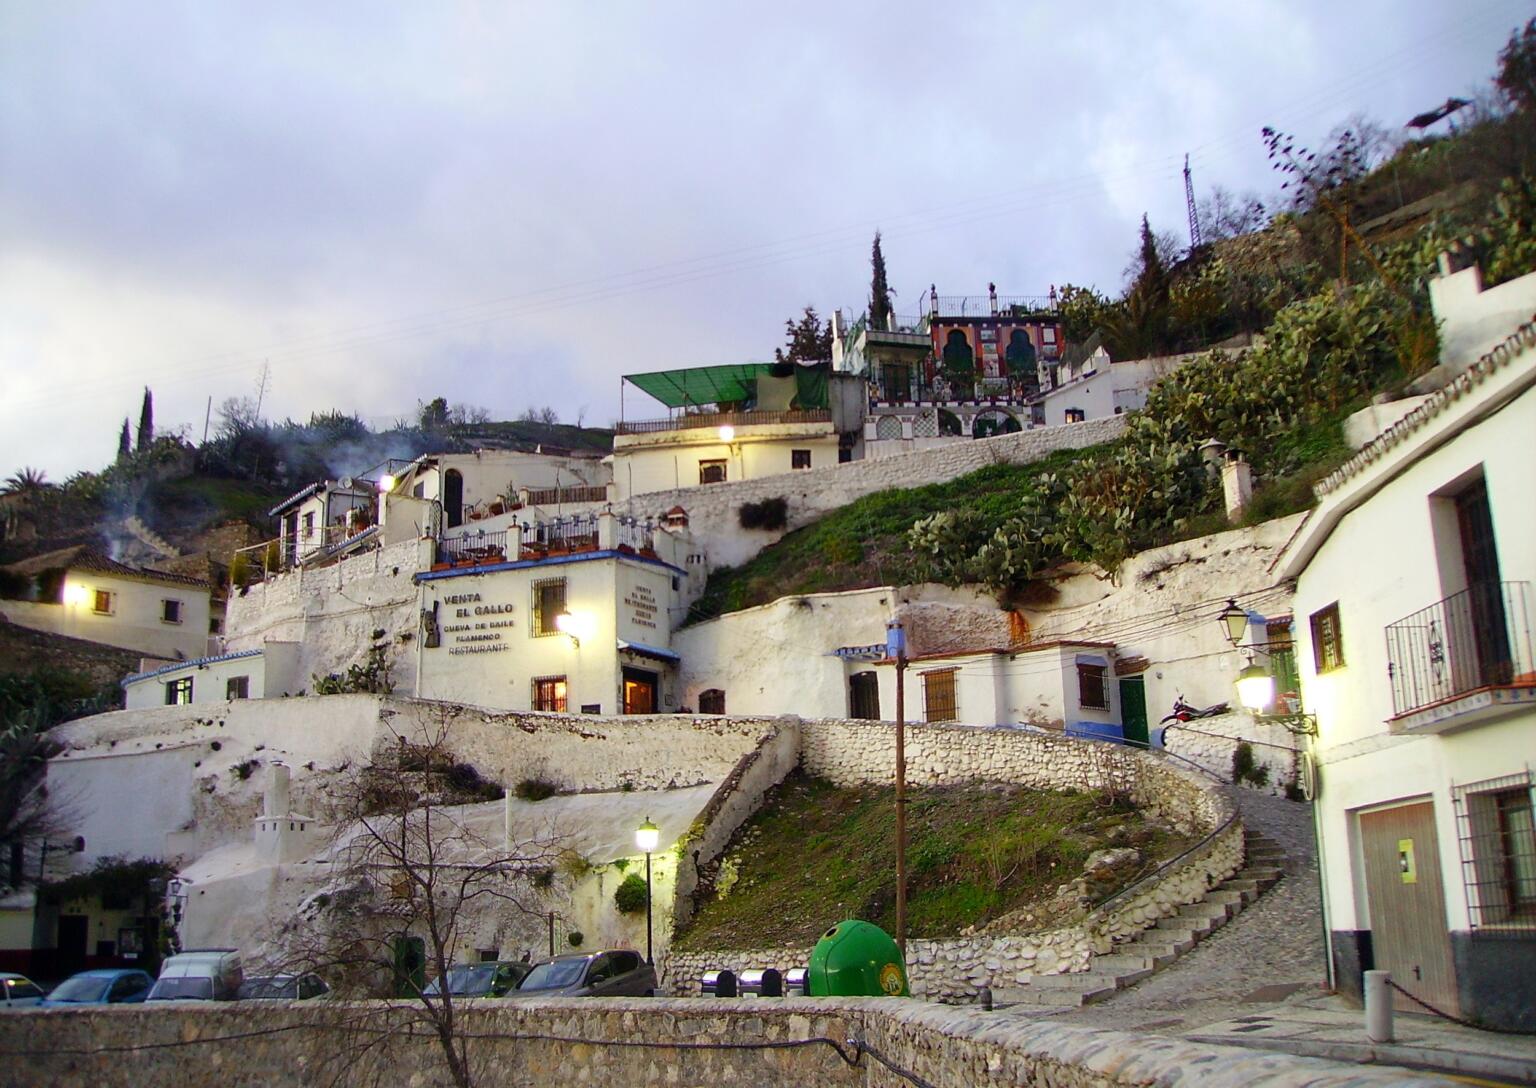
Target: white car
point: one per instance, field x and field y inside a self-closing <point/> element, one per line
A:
<point x="19" y="992"/>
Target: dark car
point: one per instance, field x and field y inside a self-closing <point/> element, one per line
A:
<point x="618" y="972"/>
<point x="103" y="987"/>
<point x="283" y="988"/>
<point x="496" y="979"/>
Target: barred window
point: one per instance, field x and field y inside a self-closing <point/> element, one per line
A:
<point x="1496" y="824"/>
<point x="864" y="696"/>
<point x="799" y="459"/>
<point x="1091" y="694"/>
<point x="1327" y="639"/>
<point x="712" y="701"/>
<point x="549" y="694"/>
<point x="548" y="602"/>
<point x="170" y="611"/>
<point x="712" y="472"/>
<point x="939" y="704"/>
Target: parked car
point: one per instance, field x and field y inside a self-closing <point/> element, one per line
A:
<point x="283" y="988"/>
<point x="19" y="992"/>
<point x="207" y="974"/>
<point x="492" y="979"/>
<point x="618" y="972"/>
<point x="102" y="987"/>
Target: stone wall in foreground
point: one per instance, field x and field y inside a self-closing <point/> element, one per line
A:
<point x="624" y="1042"/>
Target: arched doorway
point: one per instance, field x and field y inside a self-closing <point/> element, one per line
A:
<point x="994" y="421"/>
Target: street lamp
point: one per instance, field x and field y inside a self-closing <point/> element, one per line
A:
<point x="1255" y="687"/>
<point x="647" y="835"/>
<point x="1235" y="619"/>
<point x="896" y="647"/>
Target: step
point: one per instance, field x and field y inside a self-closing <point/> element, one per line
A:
<point x="1206" y="908"/>
<point x="1234" y="899"/>
<point x="1159" y="942"/>
<point x="1087" y="980"/>
<point x="1124" y="960"/>
<point x="1263" y="873"/>
<point x="1057" y="999"/>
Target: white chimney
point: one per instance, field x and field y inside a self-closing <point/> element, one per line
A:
<point x="1236" y="485"/>
<point x="276" y="801"/>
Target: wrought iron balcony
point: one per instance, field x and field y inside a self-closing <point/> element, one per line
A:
<point x="1474" y="640"/>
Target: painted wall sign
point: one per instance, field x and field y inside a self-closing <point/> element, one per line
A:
<point x="471" y="630"/>
<point x="642" y="605"/>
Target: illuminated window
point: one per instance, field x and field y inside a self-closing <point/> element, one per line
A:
<point x="1327" y="639"/>
<point x="170" y="611"/>
<point x="939" y="703"/>
<point x="1075" y="415"/>
<point x="549" y="694"/>
<point x="548" y="602"/>
<point x="712" y="472"/>
<point x="103" y="605"/>
<point x="178" y="692"/>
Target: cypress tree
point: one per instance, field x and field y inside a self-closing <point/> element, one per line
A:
<point x="879" y="289"/>
<point x="125" y="440"/>
<point x="146" y="421"/>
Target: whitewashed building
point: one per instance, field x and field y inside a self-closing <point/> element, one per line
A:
<point x="270" y="672"/>
<point x="82" y="593"/>
<point x="1414" y="610"/>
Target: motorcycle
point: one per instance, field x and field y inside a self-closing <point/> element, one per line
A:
<point x="1184" y="712"/>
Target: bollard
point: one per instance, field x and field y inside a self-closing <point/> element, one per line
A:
<point x="1378" y="1006"/>
<point x="772" y="984"/>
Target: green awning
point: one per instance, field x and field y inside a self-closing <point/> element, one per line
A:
<point x="732" y="383"/>
<point x="729" y="384"/>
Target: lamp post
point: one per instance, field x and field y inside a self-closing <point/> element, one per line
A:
<point x="647" y="835"/>
<point x="896" y="647"/>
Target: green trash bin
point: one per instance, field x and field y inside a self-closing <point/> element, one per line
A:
<point x="856" y="959"/>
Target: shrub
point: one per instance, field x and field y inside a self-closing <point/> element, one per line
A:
<point x="575" y="937"/>
<point x="245" y="769"/>
<point x="1245" y="768"/>
<point x="465" y="779"/>
<point x="535" y="789"/>
<point x="631" y="894"/>
<point x="767" y="514"/>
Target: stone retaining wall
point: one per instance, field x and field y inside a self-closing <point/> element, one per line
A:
<point x="1212" y="742"/>
<point x="622" y="1042"/>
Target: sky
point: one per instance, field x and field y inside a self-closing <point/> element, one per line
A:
<point x="362" y="206"/>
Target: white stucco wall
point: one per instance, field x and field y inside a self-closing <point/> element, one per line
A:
<point x="669" y="460"/>
<point x="270" y="672"/>
<point x="135" y="621"/>
<point x="1473" y="319"/>
<point x="1382" y="546"/>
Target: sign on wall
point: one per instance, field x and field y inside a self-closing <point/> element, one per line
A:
<point x="641" y="603"/>
<point x="475" y="625"/>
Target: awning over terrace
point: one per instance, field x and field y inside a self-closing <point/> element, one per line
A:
<point x="732" y="384"/>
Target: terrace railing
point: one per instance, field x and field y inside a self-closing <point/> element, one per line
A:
<point x="1478" y="638"/>
<point x="556" y="496"/>
<point x="478" y="547"/>
<point x="692" y="420"/>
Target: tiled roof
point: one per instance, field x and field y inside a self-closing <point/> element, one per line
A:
<point x="297" y="496"/>
<point x="84" y="557"/>
<point x="1512" y="347"/>
<point x="195" y="662"/>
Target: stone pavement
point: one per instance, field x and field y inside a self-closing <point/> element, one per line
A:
<point x="1259" y="982"/>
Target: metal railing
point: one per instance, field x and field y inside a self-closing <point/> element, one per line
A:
<point x="692" y="420"/>
<point x="555" y="496"/>
<point x="1478" y="638"/>
<point x="987" y="305"/>
<point x="477" y="547"/>
<point x="577" y="533"/>
<point x="635" y="533"/>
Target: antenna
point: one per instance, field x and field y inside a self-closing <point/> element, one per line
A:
<point x="1189" y="201"/>
<point x="261" y="387"/>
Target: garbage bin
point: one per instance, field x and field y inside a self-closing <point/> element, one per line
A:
<point x="857" y="959"/>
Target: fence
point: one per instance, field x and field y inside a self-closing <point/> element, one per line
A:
<point x="1480" y="637"/>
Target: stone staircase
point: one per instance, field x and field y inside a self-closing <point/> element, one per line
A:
<point x="1157" y="947"/>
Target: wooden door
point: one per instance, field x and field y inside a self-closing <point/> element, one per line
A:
<point x="639" y="691"/>
<point x="1409" y="933"/>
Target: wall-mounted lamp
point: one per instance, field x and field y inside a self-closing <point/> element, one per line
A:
<point x="386" y="483"/>
<point x="727" y="433"/>
<point x="571" y="627"/>
<point x="75" y="593"/>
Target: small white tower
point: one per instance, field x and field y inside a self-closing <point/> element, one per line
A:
<point x="283" y="835"/>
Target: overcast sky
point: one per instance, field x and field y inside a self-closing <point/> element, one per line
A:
<point x="512" y="205"/>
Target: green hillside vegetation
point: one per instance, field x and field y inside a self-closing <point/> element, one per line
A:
<point x="816" y="854"/>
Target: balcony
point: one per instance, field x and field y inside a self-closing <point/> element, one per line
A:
<point x="942" y="306"/>
<point x="546" y="540"/>
<point x="700" y="420"/>
<point x="1463" y="660"/>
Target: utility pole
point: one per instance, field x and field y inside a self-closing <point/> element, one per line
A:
<point x="1189" y="204"/>
<point x="896" y="646"/>
<point x="261" y="387"/>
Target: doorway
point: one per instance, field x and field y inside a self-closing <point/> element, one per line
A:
<point x="1487" y="634"/>
<point x="1133" y="710"/>
<point x="1407" y="902"/>
<point x="453" y="497"/>
<point x="74" y="930"/>
<point x="640" y="687"/>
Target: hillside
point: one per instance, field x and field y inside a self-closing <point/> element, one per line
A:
<point x="815" y="854"/>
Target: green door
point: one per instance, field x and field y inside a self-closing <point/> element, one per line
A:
<point x="1133" y="710"/>
<point x="410" y="966"/>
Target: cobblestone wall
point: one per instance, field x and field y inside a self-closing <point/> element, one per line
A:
<point x="623" y="1043"/>
<point x="812" y="493"/>
<point x="1212" y="742"/>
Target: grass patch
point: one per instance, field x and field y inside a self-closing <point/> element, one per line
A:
<point x="816" y="854"/>
<point x="864" y="544"/>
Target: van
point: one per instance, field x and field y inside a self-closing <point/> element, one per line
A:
<point x="204" y="974"/>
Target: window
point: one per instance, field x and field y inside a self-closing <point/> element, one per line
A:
<point x="214" y="625"/>
<point x="712" y="472"/>
<point x="1327" y="639"/>
<point x="712" y="701"/>
<point x="1075" y="415"/>
<point x="170" y="611"/>
<point x="549" y="694"/>
<point x="1048" y="334"/>
<point x="178" y="692"/>
<point x="489" y="955"/>
<point x="309" y="525"/>
<point x="799" y="458"/>
<point x="1091" y="693"/>
<point x="548" y="602"/>
<point x="939" y="696"/>
<point x="237" y="687"/>
<point x="1498" y="851"/>
<point x="864" y="696"/>
<point x="103" y="603"/>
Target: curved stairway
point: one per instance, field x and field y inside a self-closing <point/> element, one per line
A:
<point x="1157" y="947"/>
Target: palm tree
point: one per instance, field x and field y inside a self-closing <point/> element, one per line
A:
<point x="29" y="481"/>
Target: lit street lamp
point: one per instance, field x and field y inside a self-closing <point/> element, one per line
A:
<point x="647" y="835"/>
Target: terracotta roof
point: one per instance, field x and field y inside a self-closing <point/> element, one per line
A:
<point x="85" y="557"/>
